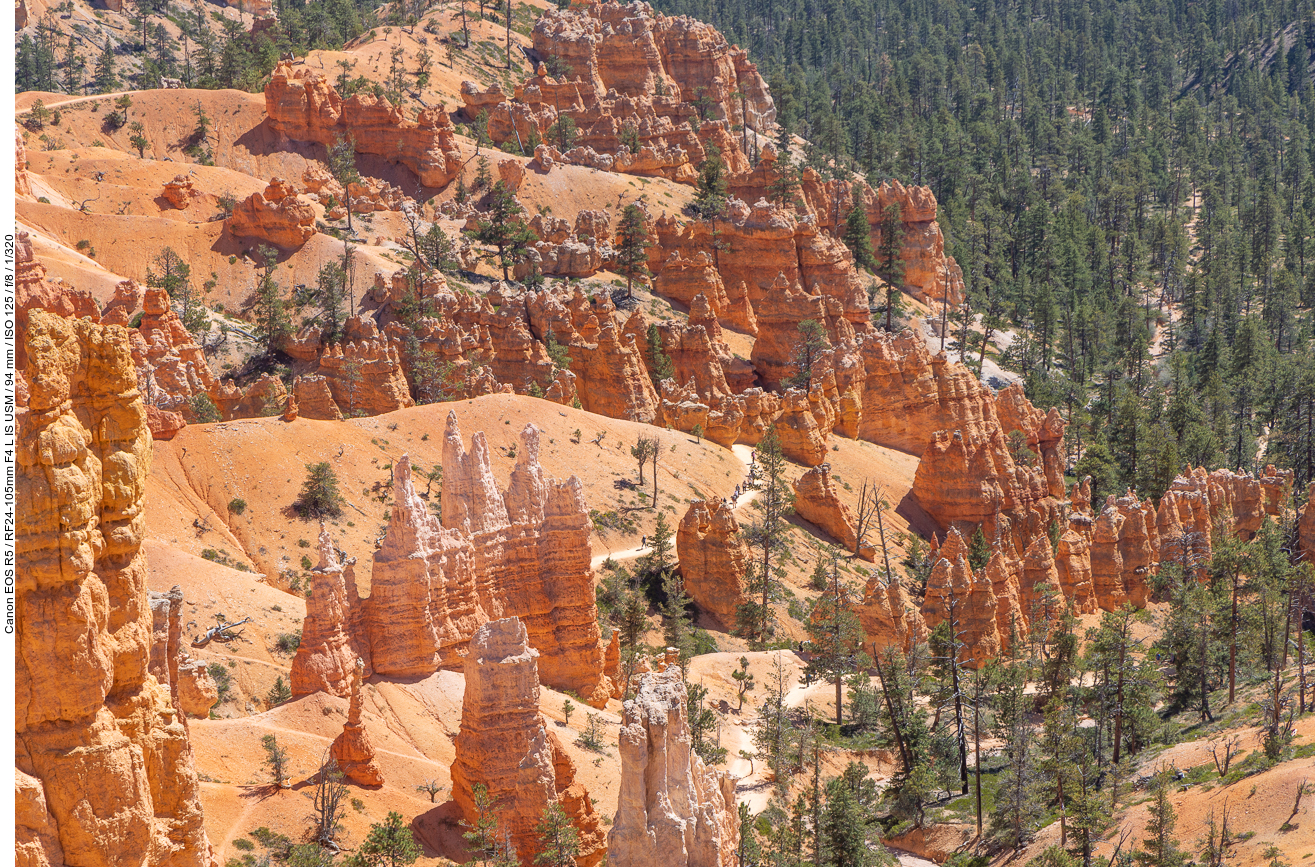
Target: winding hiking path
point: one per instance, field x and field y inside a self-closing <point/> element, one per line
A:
<point x="745" y="455"/>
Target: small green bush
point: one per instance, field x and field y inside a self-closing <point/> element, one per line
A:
<point x="223" y="680"/>
<point x="278" y="693"/>
<point x="288" y="642"/>
<point x="203" y="408"/>
<point x="237" y="505"/>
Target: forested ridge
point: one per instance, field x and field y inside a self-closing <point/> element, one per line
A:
<point x="1109" y="175"/>
<point x="1126" y="185"/>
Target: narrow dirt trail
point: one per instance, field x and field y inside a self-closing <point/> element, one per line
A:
<point x="78" y="100"/>
<point x="744" y="453"/>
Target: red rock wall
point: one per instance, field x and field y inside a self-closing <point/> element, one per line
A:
<point x="504" y="745"/>
<point x="105" y="770"/>
<point x="523" y="552"/>
<point x="303" y="106"/>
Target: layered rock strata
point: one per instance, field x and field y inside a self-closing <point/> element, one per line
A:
<point x="276" y="216"/>
<point x="83" y="619"/>
<point x="713" y="557"/>
<point x="817" y="501"/>
<point x="326" y="657"/>
<point x="523" y="552"/>
<point x="671" y="809"/>
<point x="631" y="89"/>
<point x="171" y="367"/>
<point x="303" y="106"/>
<point x="930" y="276"/>
<point x="964" y="597"/>
<point x="504" y="745"/>
<point x="352" y="749"/>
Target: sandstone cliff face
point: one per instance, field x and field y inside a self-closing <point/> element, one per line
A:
<point x="929" y="275"/>
<point x="684" y="278"/>
<point x="635" y="72"/>
<point x="889" y="613"/>
<point x="964" y="597"/>
<point x="171" y="367"/>
<point x="1244" y="499"/>
<point x="523" y="552"/>
<point x="672" y="809"/>
<point x="352" y="749"/>
<point x="506" y="333"/>
<point x="817" y="501"/>
<point x="713" y="558"/>
<point x="761" y="249"/>
<point x="105" y="767"/>
<point x="22" y="183"/>
<point x="178" y="192"/>
<point x="33" y="292"/>
<point x="779" y="314"/>
<point x="365" y="375"/>
<point x="802" y="440"/>
<point x="635" y="52"/>
<point x="303" y="106"/>
<point x="504" y="744"/>
<point x="166" y="641"/>
<point x="275" y="217"/>
<point x="326" y="658"/>
<point x="197" y="691"/>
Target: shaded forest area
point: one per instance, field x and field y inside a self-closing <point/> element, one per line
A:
<point x="1128" y="185"/>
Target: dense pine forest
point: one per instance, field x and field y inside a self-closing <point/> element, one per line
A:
<point x="1127" y="184"/>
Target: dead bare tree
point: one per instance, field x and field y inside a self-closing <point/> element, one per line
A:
<point x="1296" y="805"/>
<point x="867" y="507"/>
<point x="1229" y="747"/>
<point x="1218" y="840"/>
<point x="431" y="788"/>
<point x="329" y="798"/>
<point x="222" y="633"/>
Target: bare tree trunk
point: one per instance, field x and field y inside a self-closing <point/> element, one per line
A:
<point x="881" y="530"/>
<point x="1232" y="645"/>
<point x="894" y="717"/>
<point x="977" y="745"/>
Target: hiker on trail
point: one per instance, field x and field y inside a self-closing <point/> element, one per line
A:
<point x="643" y="541"/>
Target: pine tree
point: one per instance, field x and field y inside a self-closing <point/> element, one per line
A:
<point x="389" y="843"/>
<point x="1160" y="847"/>
<point x="481" y="836"/>
<point x="341" y="164"/>
<point x="106" y="79"/>
<point x="503" y="228"/>
<point x="169" y="272"/>
<point x="858" y="238"/>
<point x="632" y="243"/>
<point x="559" y="842"/>
<point x="755" y="616"/>
<point x="835" y="635"/>
<point x="784" y="188"/>
<point x="810" y="344"/>
<point x="710" y="196"/>
<point x="844" y="825"/>
<point x="892" y="244"/>
<point x="329" y="298"/>
<point x="659" y="363"/>
<point x="678" y="626"/>
<point x="273" y="324"/>
<point x="1018" y="810"/>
